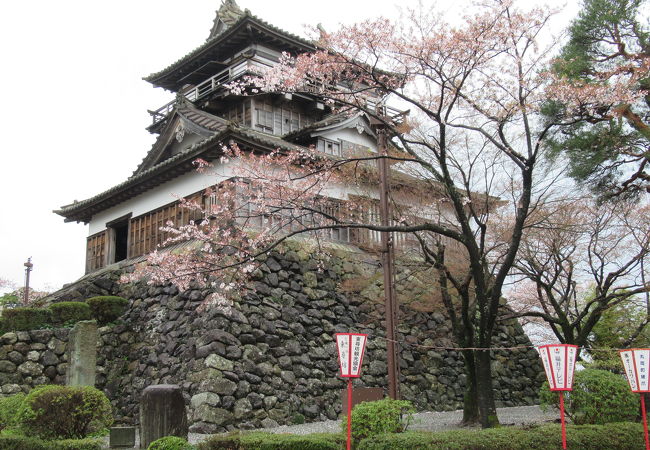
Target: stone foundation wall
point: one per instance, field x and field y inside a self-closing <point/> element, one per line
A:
<point x="271" y="358"/>
<point x="31" y="358"/>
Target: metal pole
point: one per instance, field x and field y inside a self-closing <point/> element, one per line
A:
<point x="645" y="421"/>
<point x="28" y="268"/>
<point x="349" y="442"/>
<point x="387" y="259"/>
<point x="562" y="419"/>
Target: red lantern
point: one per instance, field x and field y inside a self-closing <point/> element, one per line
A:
<point x="559" y="362"/>
<point x="351" y="347"/>
<point x="635" y="362"/>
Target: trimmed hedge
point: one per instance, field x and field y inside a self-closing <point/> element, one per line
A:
<point x="613" y="436"/>
<point x="66" y="313"/>
<point x="28" y="443"/>
<point x="106" y="309"/>
<point x="170" y="443"/>
<point x="76" y="444"/>
<point x="64" y="412"/>
<point x="24" y="319"/>
<point x="270" y="441"/>
<point x="9" y="407"/>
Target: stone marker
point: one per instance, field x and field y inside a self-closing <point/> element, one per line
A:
<point x="122" y="437"/>
<point x="82" y="354"/>
<point x="162" y="413"/>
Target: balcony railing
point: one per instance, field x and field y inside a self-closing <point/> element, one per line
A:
<point x="210" y="85"/>
<point x="253" y="65"/>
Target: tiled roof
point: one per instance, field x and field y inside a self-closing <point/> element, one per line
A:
<point x="74" y="211"/>
<point x="204" y="124"/>
<point x="151" y="177"/>
<point x="247" y="17"/>
<point x="332" y="119"/>
<point x="202" y="119"/>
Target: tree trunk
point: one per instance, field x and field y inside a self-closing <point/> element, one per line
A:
<point x="486" y="406"/>
<point x="470" y="400"/>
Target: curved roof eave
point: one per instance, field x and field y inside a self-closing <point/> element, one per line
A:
<point x="158" y="78"/>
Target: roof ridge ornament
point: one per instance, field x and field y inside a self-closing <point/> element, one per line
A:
<point x="227" y="14"/>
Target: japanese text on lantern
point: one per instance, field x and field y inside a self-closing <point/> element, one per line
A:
<point x="344" y="357"/>
<point x="559" y="365"/>
<point x="357" y="352"/>
<point x="635" y="362"/>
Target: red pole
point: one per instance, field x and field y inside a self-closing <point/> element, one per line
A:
<point x="645" y="422"/>
<point x="562" y="420"/>
<point x="350" y="414"/>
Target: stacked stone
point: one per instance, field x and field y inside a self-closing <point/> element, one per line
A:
<point x="32" y="358"/>
<point x="271" y="358"/>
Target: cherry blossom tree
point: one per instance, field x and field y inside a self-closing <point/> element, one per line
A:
<point x="581" y="260"/>
<point x="466" y="156"/>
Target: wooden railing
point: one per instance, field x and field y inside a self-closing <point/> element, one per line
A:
<point x="210" y="85"/>
<point x="249" y="66"/>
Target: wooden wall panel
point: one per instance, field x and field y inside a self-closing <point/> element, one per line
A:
<point x="96" y="251"/>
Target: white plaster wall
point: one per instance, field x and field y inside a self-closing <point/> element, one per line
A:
<point x="351" y="135"/>
<point x="164" y="194"/>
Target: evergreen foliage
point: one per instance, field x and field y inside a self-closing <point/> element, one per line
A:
<point x="9" y="407"/>
<point x="106" y="309"/>
<point x="621" y="326"/>
<point x="380" y="417"/>
<point x="598" y="397"/>
<point x="270" y="441"/>
<point x="64" y="412"/>
<point x="68" y="313"/>
<point x="23" y="319"/>
<point x="170" y="443"/>
<point x="613" y="436"/>
<point x="607" y="143"/>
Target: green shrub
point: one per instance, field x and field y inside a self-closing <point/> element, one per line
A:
<point x="29" y="443"/>
<point x="230" y="441"/>
<point x="9" y="407"/>
<point x="170" y="443"/>
<point x="67" y="313"/>
<point x="598" y="397"/>
<point x="270" y="441"/>
<point x="383" y="416"/>
<point x="23" y="319"/>
<point x="23" y="443"/>
<point x="613" y="436"/>
<point x="76" y="444"/>
<point x="64" y="412"/>
<point x="106" y="309"/>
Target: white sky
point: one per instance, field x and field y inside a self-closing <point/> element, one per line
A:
<point x="75" y="107"/>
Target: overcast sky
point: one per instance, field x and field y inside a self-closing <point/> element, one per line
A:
<point x="75" y="106"/>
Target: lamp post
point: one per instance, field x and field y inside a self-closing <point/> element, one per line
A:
<point x="28" y="268"/>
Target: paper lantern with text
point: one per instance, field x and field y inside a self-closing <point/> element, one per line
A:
<point x="635" y="363"/>
<point x="351" y="347"/>
<point x="559" y="362"/>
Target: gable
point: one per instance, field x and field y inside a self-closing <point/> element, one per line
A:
<point x="186" y="127"/>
